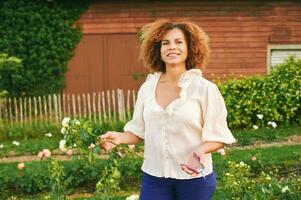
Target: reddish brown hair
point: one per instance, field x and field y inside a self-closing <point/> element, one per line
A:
<point x="152" y="34"/>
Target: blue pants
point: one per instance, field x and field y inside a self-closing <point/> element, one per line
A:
<point x="155" y="188"/>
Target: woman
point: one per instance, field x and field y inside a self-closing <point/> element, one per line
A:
<point x="180" y="115"/>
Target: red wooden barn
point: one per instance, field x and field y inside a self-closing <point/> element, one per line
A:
<point x="246" y="38"/>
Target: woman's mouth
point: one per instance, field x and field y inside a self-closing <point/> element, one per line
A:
<point x="172" y="54"/>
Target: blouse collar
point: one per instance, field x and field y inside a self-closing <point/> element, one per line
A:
<point x="184" y="77"/>
<point x="184" y="80"/>
<point x="187" y="76"/>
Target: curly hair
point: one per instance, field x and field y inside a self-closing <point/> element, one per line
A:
<point x="153" y="33"/>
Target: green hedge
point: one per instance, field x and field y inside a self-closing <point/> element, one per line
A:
<point x="35" y="177"/>
<point x="42" y="34"/>
<point x="10" y="77"/>
<point x="276" y="96"/>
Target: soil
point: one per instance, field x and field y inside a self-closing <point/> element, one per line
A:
<point x="26" y="158"/>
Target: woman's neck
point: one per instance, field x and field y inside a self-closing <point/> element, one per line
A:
<point x="173" y="73"/>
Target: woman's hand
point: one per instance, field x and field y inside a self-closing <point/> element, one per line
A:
<point x="110" y="140"/>
<point x="195" y="163"/>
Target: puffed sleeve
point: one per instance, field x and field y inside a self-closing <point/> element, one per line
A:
<point x="136" y="125"/>
<point x="215" y="126"/>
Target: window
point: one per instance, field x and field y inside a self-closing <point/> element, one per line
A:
<point x="278" y="53"/>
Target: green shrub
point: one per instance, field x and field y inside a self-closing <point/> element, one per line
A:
<point x="10" y="74"/>
<point x="109" y="181"/>
<point x="35" y="177"/>
<point x="240" y="183"/>
<point x="276" y="96"/>
<point x="42" y="34"/>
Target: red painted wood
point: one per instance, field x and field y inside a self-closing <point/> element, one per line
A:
<point x="239" y="32"/>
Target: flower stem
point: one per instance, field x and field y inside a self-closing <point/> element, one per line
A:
<point x="122" y="147"/>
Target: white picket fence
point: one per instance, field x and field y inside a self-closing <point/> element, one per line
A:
<point x="103" y="106"/>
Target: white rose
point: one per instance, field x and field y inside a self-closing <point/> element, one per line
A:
<point x="255" y="127"/>
<point x="133" y="197"/>
<point x="221" y="151"/>
<point x="274" y="124"/>
<point x="48" y="134"/>
<point x="63" y="130"/>
<point x="1" y="146"/>
<point x="65" y="122"/>
<point x="62" y="145"/>
<point x="268" y="178"/>
<point x="260" y="116"/>
<point x="91" y="146"/>
<point x="285" y="189"/>
<point x="21" y="166"/>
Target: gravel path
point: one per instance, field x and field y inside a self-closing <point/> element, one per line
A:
<point x="292" y="140"/>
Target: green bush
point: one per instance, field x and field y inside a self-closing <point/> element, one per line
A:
<point x="10" y="74"/>
<point x="276" y="96"/>
<point x="42" y="34"/>
<point x="240" y="183"/>
<point x="35" y="177"/>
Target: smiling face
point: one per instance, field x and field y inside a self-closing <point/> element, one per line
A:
<point x="174" y="48"/>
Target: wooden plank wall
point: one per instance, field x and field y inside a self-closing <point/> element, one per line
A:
<point x="239" y="31"/>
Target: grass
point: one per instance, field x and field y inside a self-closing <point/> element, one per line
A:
<point x="26" y="147"/>
<point x="266" y="158"/>
<point x="248" y="137"/>
<point x="28" y="131"/>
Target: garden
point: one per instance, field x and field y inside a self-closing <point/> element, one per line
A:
<point x="63" y="160"/>
<point x="49" y="142"/>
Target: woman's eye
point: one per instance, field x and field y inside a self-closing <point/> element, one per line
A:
<point x="179" y="42"/>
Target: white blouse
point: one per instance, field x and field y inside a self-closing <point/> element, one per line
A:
<point x="171" y="134"/>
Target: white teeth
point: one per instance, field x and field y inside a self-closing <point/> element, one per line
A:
<point x="172" y="54"/>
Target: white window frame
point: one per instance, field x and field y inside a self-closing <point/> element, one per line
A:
<point x="271" y="47"/>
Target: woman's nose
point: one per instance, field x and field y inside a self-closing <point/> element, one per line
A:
<point x="172" y="45"/>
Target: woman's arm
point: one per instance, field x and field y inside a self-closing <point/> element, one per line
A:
<point x="129" y="138"/>
<point x="110" y="139"/>
<point x="209" y="147"/>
